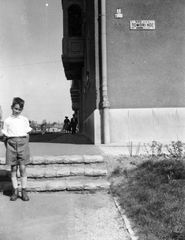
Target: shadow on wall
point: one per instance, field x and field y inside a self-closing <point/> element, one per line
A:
<point x="77" y="138"/>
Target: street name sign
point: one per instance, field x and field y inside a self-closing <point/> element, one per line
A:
<point x="142" y="24"/>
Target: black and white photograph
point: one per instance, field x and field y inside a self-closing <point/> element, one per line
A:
<point x="92" y="119"/>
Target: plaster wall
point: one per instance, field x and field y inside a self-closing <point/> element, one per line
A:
<point x="146" y="83"/>
<point x="93" y="127"/>
<point x="146" y="67"/>
<point x="147" y="125"/>
<point x="163" y="125"/>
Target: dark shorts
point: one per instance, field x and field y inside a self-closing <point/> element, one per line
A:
<point x="17" y="151"/>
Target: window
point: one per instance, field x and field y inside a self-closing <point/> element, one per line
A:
<point x="75" y="21"/>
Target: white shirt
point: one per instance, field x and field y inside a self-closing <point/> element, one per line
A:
<point x="16" y="126"/>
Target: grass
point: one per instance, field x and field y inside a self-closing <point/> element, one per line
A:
<point x="153" y="196"/>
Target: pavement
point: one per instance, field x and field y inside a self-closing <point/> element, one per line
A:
<point x="68" y="144"/>
<point x="62" y="215"/>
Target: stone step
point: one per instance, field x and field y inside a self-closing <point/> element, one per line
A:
<point x="50" y="171"/>
<point x="67" y="159"/>
<point x="77" y="184"/>
<point x="60" y="173"/>
<point x="65" y="172"/>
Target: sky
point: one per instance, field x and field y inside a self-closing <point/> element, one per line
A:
<point x="30" y="59"/>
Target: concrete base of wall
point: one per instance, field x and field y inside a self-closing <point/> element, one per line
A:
<point x="139" y="125"/>
<point x="93" y="127"/>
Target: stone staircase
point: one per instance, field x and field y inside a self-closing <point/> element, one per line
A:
<point x="61" y="173"/>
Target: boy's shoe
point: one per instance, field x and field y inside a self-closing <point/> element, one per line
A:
<point x="25" y="195"/>
<point x="15" y="195"/>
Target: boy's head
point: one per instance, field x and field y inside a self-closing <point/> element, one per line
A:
<point x="17" y="106"/>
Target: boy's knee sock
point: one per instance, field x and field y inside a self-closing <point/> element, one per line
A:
<point x="23" y="182"/>
<point x="14" y="182"/>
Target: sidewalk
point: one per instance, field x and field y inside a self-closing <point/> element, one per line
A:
<point x="68" y="144"/>
<point x="53" y="145"/>
<point x="61" y="215"/>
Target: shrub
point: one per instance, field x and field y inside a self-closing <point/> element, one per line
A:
<point x="153" y="197"/>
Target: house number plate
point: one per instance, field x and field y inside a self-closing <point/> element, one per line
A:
<point x="142" y="24"/>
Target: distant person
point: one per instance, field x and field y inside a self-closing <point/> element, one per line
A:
<point x="66" y="124"/>
<point x="73" y="124"/>
<point x="16" y="138"/>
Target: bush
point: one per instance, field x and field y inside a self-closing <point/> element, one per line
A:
<point x="153" y="197"/>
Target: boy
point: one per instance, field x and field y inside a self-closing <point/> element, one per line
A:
<point x="16" y="129"/>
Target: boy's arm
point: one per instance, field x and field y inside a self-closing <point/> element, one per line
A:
<point x="28" y="128"/>
<point x="5" y="133"/>
<point x="5" y="138"/>
<point x="4" y="130"/>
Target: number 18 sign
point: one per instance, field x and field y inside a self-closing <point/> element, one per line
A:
<point x="142" y="24"/>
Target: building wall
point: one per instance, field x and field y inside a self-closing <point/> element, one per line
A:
<point x="89" y="79"/>
<point x="146" y="67"/>
<point x="139" y="125"/>
<point x="93" y="127"/>
<point x="147" y="125"/>
<point x="146" y="87"/>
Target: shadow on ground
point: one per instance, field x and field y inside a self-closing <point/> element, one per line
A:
<point x="77" y="138"/>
